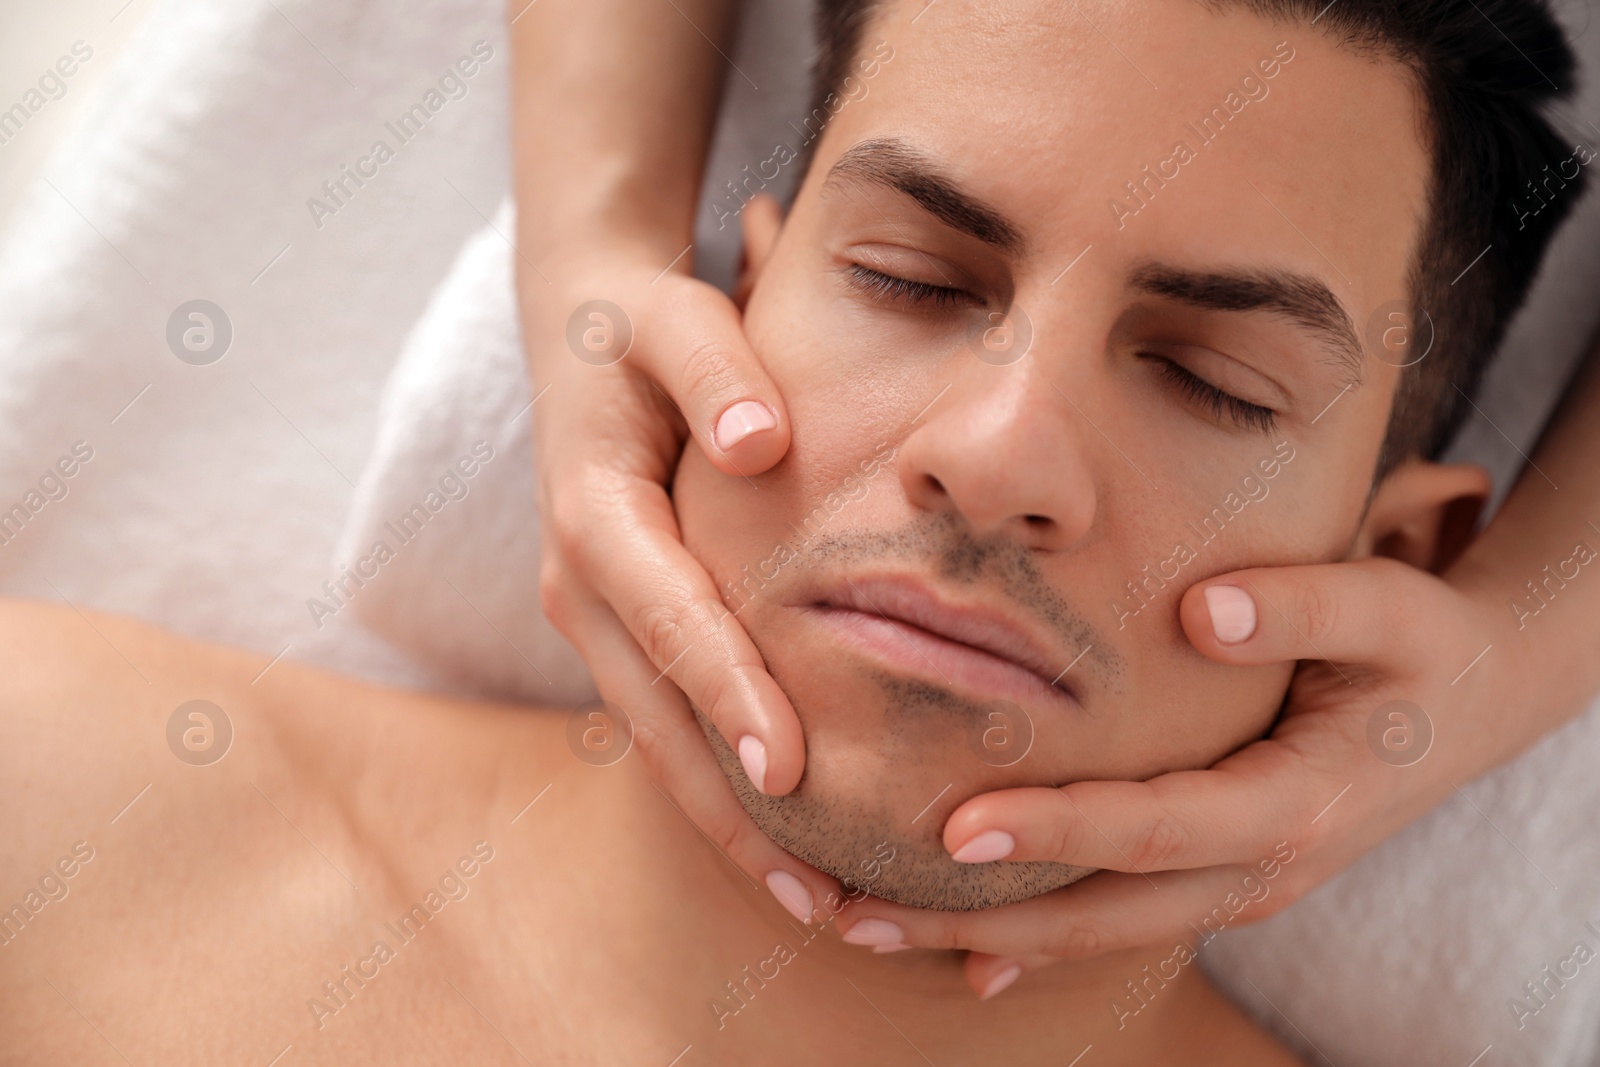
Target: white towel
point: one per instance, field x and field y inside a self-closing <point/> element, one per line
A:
<point x="216" y="493"/>
<point x="456" y="572"/>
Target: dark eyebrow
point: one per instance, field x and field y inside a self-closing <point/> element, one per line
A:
<point x="1298" y="297"/>
<point x="895" y="164"/>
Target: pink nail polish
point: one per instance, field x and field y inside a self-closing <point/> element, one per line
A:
<point x="753" y="754"/>
<point x="987" y="847"/>
<point x="874" y="932"/>
<point x="740" y="421"/>
<point x="1233" y="613"/>
<point x="791" y="893"/>
<point x="1001" y="982"/>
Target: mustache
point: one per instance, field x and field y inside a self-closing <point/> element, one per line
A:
<point x="942" y="545"/>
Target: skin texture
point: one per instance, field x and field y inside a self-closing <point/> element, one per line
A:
<point x="569" y="912"/>
<point x="616" y="582"/>
<point x="620" y="587"/>
<point x="1041" y="487"/>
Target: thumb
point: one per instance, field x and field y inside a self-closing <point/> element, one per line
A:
<point x="695" y="349"/>
<point x="1355" y="612"/>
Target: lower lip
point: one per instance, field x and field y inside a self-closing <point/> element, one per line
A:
<point x="909" y="649"/>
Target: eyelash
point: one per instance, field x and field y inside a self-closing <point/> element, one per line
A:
<point x="894" y="289"/>
<point x="902" y="290"/>
<point x="1241" y="412"/>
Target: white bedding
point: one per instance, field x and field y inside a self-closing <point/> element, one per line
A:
<point x="226" y="495"/>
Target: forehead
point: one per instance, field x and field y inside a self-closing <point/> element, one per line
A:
<point x="1151" y="130"/>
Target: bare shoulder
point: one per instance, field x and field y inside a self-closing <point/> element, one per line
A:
<point x="102" y="715"/>
<point x="86" y="700"/>
<point x="164" y="797"/>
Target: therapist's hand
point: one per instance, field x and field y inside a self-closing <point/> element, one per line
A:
<point x="606" y="190"/>
<point x="1343" y="769"/>
<point x="615" y="578"/>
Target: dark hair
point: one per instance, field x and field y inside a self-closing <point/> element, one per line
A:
<point x="1485" y="70"/>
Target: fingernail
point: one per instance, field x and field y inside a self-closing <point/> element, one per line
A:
<point x="882" y="949"/>
<point x="1000" y="982"/>
<point x="791" y="893"/>
<point x="753" y="754"/>
<point x="1233" y="613"/>
<point x="741" y="420"/>
<point x="987" y="847"/>
<point x="874" y="932"/>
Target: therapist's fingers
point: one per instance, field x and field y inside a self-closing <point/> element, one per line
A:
<point x="1106" y="912"/>
<point x="1194" y="850"/>
<point x="1176" y="821"/>
<point x="1345" y="613"/>
<point x="1197" y="834"/>
<point x="989" y="976"/>
<point x="682" y="765"/>
<point x="1342" y="612"/>
<point x="695" y="350"/>
<point x="667" y="602"/>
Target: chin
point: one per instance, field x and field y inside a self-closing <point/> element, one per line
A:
<point x="841" y="837"/>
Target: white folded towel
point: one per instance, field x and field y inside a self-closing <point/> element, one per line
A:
<point x="216" y="493"/>
<point x="453" y="558"/>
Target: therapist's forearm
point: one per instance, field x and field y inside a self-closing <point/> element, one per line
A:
<point x="612" y="109"/>
<point x="1547" y="515"/>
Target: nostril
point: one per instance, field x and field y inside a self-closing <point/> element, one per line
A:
<point x="1037" y="520"/>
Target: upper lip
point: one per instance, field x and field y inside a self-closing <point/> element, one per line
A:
<point x="908" y="600"/>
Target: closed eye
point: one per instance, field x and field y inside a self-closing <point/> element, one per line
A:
<point x="1240" y="412"/>
<point x="890" y="289"/>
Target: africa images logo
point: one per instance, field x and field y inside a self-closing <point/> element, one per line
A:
<point x="453" y="84"/>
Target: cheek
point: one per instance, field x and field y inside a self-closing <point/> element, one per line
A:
<point x="850" y="376"/>
<point x="1174" y="708"/>
<point x="1178" y="712"/>
<point x="1186" y="711"/>
<point x="714" y="517"/>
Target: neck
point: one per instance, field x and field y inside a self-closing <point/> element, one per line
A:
<point x="767" y="976"/>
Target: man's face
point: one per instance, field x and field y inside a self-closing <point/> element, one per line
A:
<point x="966" y="570"/>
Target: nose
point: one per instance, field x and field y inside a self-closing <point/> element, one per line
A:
<point x="1004" y="451"/>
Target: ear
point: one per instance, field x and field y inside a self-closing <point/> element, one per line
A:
<point x="760" y="221"/>
<point x="1424" y="513"/>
